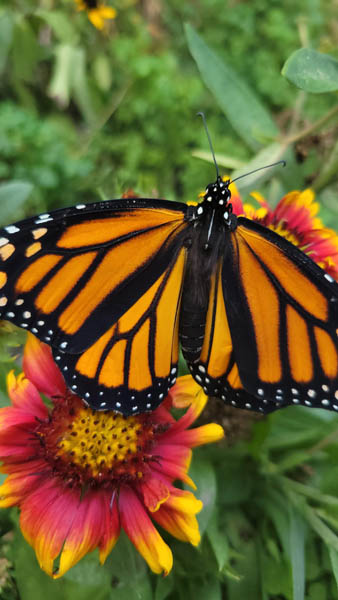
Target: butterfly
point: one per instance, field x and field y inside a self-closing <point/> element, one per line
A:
<point x="113" y="287"/>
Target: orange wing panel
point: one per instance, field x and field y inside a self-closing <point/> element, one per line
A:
<point x="35" y="272"/>
<point x="167" y="317"/>
<point x="63" y="282"/>
<point x="291" y="279"/>
<point x="139" y="372"/>
<point x="221" y="345"/>
<point x="299" y="348"/>
<point x="109" y="274"/>
<point x="89" y="361"/>
<point x="264" y="305"/>
<point x="327" y="353"/>
<point x="101" y="231"/>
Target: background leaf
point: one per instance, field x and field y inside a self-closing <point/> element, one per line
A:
<point x="312" y="71"/>
<point x="239" y="103"/>
<point x="13" y="195"/>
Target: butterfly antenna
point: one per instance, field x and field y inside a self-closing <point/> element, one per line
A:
<point x="279" y="162"/>
<point x="202" y="115"/>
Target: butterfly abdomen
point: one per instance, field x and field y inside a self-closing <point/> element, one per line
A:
<point x="201" y="265"/>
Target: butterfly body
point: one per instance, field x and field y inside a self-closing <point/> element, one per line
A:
<point x="113" y="286"/>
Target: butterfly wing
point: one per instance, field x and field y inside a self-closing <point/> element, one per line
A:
<point x="131" y="367"/>
<point x="83" y="279"/>
<point x="283" y="319"/>
<point x="217" y="370"/>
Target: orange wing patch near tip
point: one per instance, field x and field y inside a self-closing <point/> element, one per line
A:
<point x="6" y="251"/>
<point x="33" y="249"/>
<point x="38" y="233"/>
<point x="3" y="279"/>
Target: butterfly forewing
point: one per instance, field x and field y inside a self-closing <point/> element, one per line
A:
<point x="69" y="275"/>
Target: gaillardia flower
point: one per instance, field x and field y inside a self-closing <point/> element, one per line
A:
<point x="97" y="12"/>
<point x="295" y="218"/>
<point x="79" y="476"/>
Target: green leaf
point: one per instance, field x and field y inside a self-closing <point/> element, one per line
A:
<point x="312" y="71"/>
<point x="229" y="162"/>
<point x="60" y="23"/>
<point x="218" y="541"/>
<point x="60" y="85"/>
<point x="164" y="587"/>
<point x="102" y="70"/>
<point x="69" y="79"/>
<point x="13" y="195"/>
<point x="203" y="474"/>
<point x="25" y="50"/>
<point x="240" y="104"/>
<point x="6" y="35"/>
<point x="334" y="562"/>
<point x="247" y="564"/>
<point x="297" y="550"/>
<point x="209" y="588"/>
<point x="272" y="153"/>
<point x="327" y="535"/>
<point x="87" y="580"/>
<point x="128" y="571"/>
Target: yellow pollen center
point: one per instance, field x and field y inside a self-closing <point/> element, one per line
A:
<point x="99" y="440"/>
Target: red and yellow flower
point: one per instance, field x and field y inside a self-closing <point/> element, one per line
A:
<point x="97" y="12"/>
<point x="295" y="218"/>
<point x="79" y="476"/>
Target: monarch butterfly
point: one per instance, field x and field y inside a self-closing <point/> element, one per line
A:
<point x="114" y="286"/>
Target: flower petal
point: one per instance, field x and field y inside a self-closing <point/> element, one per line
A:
<point x="112" y="528"/>
<point x="87" y="530"/>
<point x="202" y="435"/>
<point x="184" y="392"/>
<point x="40" y="368"/>
<point x="46" y="518"/>
<point x="142" y="532"/>
<point x="177" y="516"/>
<point x="25" y="396"/>
<point x="154" y="492"/>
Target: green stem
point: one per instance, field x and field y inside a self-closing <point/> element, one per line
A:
<point x="308" y="130"/>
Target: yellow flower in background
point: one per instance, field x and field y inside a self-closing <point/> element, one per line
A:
<point x="97" y="12"/>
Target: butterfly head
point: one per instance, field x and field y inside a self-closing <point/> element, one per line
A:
<point x="217" y="194"/>
<point x="216" y="200"/>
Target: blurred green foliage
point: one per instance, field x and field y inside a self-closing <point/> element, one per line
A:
<point x="86" y="114"/>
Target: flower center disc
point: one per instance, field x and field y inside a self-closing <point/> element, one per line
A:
<point x="87" y="446"/>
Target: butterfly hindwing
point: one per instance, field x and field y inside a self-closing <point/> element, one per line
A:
<point x="282" y="313"/>
<point x="216" y="370"/>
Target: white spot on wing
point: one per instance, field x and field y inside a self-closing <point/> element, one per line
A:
<point x="12" y="229"/>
